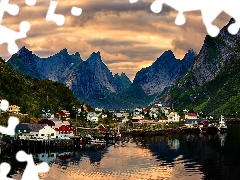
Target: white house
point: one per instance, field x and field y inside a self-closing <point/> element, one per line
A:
<point x="92" y="117"/>
<point x="98" y="109"/>
<point x="173" y="117"/>
<point x="118" y="113"/>
<point x="125" y="119"/>
<point x="104" y="116"/>
<point x="47" y="133"/>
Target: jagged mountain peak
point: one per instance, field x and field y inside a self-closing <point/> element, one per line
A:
<point x="95" y="58"/>
<point x="64" y="51"/>
<point x="121" y="75"/>
<point x="96" y="55"/>
<point x="23" y="51"/>
<point x="163" y="73"/>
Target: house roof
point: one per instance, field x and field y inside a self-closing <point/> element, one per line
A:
<point x="22" y="127"/>
<point x="137" y="117"/>
<point x="55" y="120"/>
<point x="191" y="114"/>
<point x="36" y="127"/>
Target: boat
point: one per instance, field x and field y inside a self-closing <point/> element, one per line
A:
<point x="212" y="128"/>
<point x="92" y="141"/>
<point x="222" y="127"/>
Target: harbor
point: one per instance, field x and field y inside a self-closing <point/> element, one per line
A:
<point x="170" y="156"/>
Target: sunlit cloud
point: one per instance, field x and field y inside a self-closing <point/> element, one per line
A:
<point x="129" y="36"/>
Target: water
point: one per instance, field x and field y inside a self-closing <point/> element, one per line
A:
<point x="180" y="157"/>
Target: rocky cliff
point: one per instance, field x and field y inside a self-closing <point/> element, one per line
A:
<point x="164" y="72"/>
<point x="212" y="83"/>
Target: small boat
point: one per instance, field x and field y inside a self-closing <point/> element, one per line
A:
<point x="91" y="140"/>
<point x="212" y="128"/>
<point x="222" y="127"/>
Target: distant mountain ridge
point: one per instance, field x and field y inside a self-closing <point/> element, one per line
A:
<point x="93" y="83"/>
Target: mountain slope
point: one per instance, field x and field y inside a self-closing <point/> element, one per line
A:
<point x="213" y="83"/>
<point x="164" y="72"/>
<point x="31" y="94"/>
<point x="93" y="83"/>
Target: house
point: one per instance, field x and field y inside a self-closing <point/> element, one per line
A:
<point x="125" y="119"/>
<point x="98" y="109"/>
<point x="145" y="110"/>
<point x="64" y="131"/>
<point x="126" y="113"/>
<point x="47" y="121"/>
<point x="192" y="122"/>
<point x="101" y="128"/>
<point x="136" y="112"/>
<point x="153" y="114"/>
<point x="191" y="115"/>
<point x="173" y="117"/>
<point x="118" y="113"/>
<point x="46" y="113"/>
<point x="104" y="116"/>
<point x="42" y="131"/>
<point x="13" y="109"/>
<point x="57" y="122"/>
<point x="63" y="114"/>
<point x="23" y="132"/>
<point x="137" y="119"/>
<point x="47" y="133"/>
<point x="138" y="109"/>
<point x="92" y="117"/>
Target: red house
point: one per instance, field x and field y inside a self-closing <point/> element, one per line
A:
<point x="65" y="129"/>
<point x="62" y="114"/>
<point x="101" y="128"/>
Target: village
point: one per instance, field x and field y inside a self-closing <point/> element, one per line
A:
<point x="60" y="126"/>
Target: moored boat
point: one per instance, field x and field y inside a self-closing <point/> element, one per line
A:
<point x="212" y="128"/>
<point x="222" y="127"/>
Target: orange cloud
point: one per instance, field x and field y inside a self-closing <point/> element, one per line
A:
<point x="129" y="36"/>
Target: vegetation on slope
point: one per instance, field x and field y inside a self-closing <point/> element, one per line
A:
<point x="33" y="95"/>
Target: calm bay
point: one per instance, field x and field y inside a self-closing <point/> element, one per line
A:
<point x="187" y="156"/>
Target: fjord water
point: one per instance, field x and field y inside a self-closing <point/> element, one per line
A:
<point x="189" y="156"/>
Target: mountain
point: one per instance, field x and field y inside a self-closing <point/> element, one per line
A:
<point x="33" y="95"/>
<point x="164" y="73"/>
<point x="55" y="68"/>
<point x="121" y="82"/>
<point x="213" y="83"/>
<point x="91" y="80"/>
<point x="93" y="83"/>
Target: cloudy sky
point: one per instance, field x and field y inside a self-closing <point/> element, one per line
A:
<point x="129" y="36"/>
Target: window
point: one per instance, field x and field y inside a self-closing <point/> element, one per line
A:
<point x="52" y="134"/>
<point x="42" y="134"/>
<point x="24" y="130"/>
<point x="36" y="134"/>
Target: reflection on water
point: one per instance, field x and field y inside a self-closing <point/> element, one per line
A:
<point x="185" y="157"/>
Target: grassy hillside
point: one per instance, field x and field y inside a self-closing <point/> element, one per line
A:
<point x="31" y="94"/>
